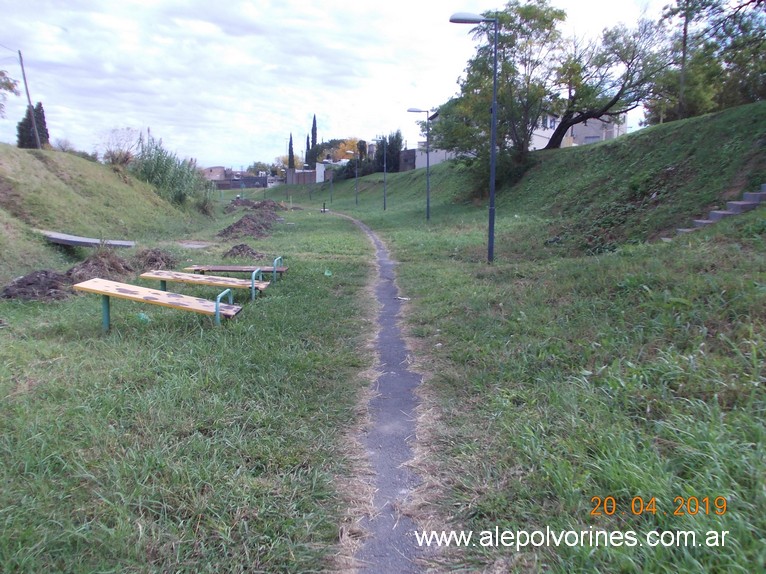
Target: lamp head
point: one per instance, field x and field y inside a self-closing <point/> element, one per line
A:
<point x="467" y="18"/>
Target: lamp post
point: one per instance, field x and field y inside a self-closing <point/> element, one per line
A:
<point x="467" y="18"/>
<point x="385" y="154"/>
<point x="356" y="176"/>
<point x="428" y="160"/>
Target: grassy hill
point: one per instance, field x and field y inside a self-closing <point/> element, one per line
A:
<point x="61" y="192"/>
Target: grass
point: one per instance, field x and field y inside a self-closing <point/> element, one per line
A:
<point x="174" y="445"/>
<point x="588" y="361"/>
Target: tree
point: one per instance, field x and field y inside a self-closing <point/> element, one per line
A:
<point x="312" y="159"/>
<point x="609" y="79"/>
<point x="718" y="59"/>
<point x="25" y="129"/>
<point x="392" y="147"/>
<point x="527" y="45"/>
<point x="361" y="147"/>
<point x="290" y="155"/>
<point x="7" y="86"/>
<point x="308" y="151"/>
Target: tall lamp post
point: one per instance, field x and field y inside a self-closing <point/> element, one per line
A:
<point x="356" y="175"/>
<point x="468" y="18"/>
<point x="428" y="160"/>
<point x="385" y="154"/>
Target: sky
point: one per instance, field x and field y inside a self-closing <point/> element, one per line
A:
<point x="227" y="83"/>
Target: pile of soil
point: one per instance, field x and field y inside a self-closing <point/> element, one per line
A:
<point x="149" y="259"/>
<point x="104" y="264"/>
<point x="39" y="286"/>
<point x="254" y="224"/>
<point x="242" y="203"/>
<point x="243" y="251"/>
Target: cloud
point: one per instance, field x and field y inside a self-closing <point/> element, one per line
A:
<point x="228" y="83"/>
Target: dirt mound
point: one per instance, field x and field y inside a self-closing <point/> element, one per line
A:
<point x="244" y="251"/>
<point x="254" y="224"/>
<point x="148" y="259"/>
<point x="104" y="264"/>
<point x="242" y="203"/>
<point x="39" y="286"/>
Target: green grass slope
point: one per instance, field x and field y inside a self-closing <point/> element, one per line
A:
<point x="645" y="185"/>
<point x="61" y="192"/>
<point x="592" y="380"/>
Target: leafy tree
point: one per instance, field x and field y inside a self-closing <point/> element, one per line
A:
<point x="540" y="74"/>
<point x="719" y="59"/>
<point x="7" y="86"/>
<point x="290" y="155"/>
<point x="361" y="147"/>
<point x="25" y="129"/>
<point x="392" y="147"/>
<point x="609" y="79"/>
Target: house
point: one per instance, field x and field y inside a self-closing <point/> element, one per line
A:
<point x="590" y="131"/>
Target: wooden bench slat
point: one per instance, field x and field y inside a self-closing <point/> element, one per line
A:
<point x="233" y="268"/>
<point x="155" y="297"/>
<point x="195" y="279"/>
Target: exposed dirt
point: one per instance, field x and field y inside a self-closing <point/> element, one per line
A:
<point x="241" y="203"/>
<point x="42" y="285"/>
<point x="148" y="259"/>
<point x="254" y="224"/>
<point x="244" y="251"/>
<point x="104" y="264"/>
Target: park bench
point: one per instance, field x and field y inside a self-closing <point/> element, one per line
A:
<point x="108" y="289"/>
<point x="256" y="284"/>
<point x="278" y="268"/>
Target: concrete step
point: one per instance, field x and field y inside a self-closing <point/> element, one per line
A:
<point x="754" y="196"/>
<point x="702" y="222"/>
<point x="719" y="214"/>
<point x="683" y="230"/>
<point x="741" y="206"/>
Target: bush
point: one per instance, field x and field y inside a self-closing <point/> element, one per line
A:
<point x="176" y="180"/>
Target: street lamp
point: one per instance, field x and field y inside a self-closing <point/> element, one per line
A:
<point x="467" y="18"/>
<point x="428" y="160"/>
<point x="356" y="176"/>
<point x="384" y="139"/>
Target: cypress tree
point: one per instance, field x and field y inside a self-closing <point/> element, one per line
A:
<point x="290" y="155"/>
<point x="312" y="161"/>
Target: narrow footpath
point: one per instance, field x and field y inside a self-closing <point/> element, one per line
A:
<point x="391" y="546"/>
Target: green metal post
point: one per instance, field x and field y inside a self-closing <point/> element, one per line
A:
<point x="256" y="273"/>
<point x="218" y="305"/>
<point x="163" y="285"/>
<point x="105" y="313"/>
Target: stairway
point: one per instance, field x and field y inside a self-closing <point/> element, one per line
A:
<point x="750" y="200"/>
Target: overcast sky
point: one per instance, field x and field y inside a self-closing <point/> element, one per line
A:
<point x="228" y="82"/>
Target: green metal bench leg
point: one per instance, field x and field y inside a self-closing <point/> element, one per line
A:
<point x="163" y="285"/>
<point x="252" y="282"/>
<point x="281" y="262"/>
<point x="105" y="313"/>
<point x="218" y="304"/>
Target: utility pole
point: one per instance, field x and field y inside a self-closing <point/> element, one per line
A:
<point x="29" y="101"/>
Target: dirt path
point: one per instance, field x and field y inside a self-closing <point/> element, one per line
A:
<point x="391" y="545"/>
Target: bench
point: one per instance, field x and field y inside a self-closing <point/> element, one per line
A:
<point x="77" y="241"/>
<point x="255" y="285"/>
<point x="277" y="268"/>
<point x="108" y="289"/>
